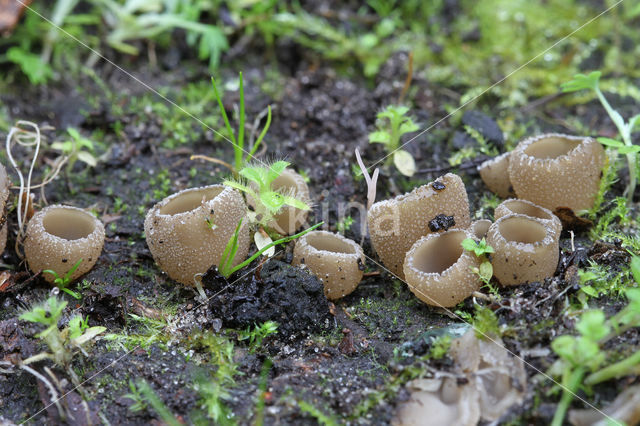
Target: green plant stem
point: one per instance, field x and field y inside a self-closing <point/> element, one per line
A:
<point x="570" y="387"/>
<point x="239" y="153"/>
<point x="619" y="369"/>
<point x="272" y="244"/>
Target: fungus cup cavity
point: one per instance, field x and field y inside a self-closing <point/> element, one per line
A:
<point x="188" y="231"/>
<point x="336" y="260"/>
<point x="527" y="208"/>
<point x="555" y="170"/>
<point x="396" y="224"/>
<point x="59" y="236"/>
<point x="495" y="174"/>
<point x="526" y="249"/>
<point x="479" y="228"/>
<point x="290" y="218"/>
<point x="438" y="269"/>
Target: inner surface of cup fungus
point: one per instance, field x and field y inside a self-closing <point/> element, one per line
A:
<point x="527" y="208"/>
<point x="555" y="170"/>
<point x="59" y="236"/>
<point x="438" y="270"/>
<point x="480" y="227"/>
<point x="289" y="219"/>
<point x="495" y="174"/>
<point x="336" y="260"/>
<point x="526" y="249"/>
<point x="188" y="231"/>
<point x="396" y="224"/>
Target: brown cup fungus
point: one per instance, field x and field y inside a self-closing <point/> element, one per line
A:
<point x="336" y="260"/>
<point x="59" y="236"/>
<point x="396" y="224"/>
<point x="479" y="228"/>
<point x="438" y="270"/>
<point x="188" y="231"/>
<point x="4" y="196"/>
<point x="526" y="249"/>
<point x="495" y="174"/>
<point x="555" y="170"/>
<point x="527" y="208"/>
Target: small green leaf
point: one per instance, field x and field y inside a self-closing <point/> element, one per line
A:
<point x="629" y="149"/>
<point x="469" y="244"/>
<point x="581" y="82"/>
<point x="564" y="347"/>
<point x="408" y="126"/>
<point x="294" y="202"/>
<point x="379" y="137"/>
<point x="404" y="162"/>
<point x="610" y="142"/>
<point x="589" y="290"/>
<point x="272" y="200"/>
<point x="87" y="158"/>
<point x="635" y="272"/>
<point x="275" y="170"/>
<point x="257" y="175"/>
<point x="486" y="271"/>
<point x="592" y="325"/>
<point x="88" y="335"/>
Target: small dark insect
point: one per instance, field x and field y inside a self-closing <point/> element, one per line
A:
<point x="438" y="186"/>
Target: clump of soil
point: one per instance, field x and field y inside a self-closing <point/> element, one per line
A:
<point x="280" y="292"/>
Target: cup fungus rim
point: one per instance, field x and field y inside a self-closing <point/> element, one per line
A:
<point x="449" y="270"/>
<point x="357" y="250"/>
<point x="157" y="209"/>
<point x="522" y="148"/>
<point x="544" y="242"/>
<point x="98" y="228"/>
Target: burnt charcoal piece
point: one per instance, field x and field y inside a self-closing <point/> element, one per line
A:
<point x="441" y="223"/>
<point x="484" y="124"/>
<point x="285" y="294"/>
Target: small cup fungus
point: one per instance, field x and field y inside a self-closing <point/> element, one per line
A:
<point x="480" y="227"/>
<point x="527" y="208"/>
<point x="555" y="170"/>
<point x="526" y="249"/>
<point x="336" y="260"/>
<point x="495" y="174"/>
<point x="290" y="218"/>
<point x="59" y="236"/>
<point x="188" y="231"/>
<point x="438" y="269"/>
<point x="396" y="224"/>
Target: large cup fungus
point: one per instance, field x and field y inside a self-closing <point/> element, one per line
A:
<point x="58" y="237"/>
<point x="526" y="249"/>
<point x="495" y="174"/>
<point x="188" y="231"/>
<point x="438" y="270"/>
<point x="396" y="224"/>
<point x="336" y="260"/>
<point x="555" y="170"/>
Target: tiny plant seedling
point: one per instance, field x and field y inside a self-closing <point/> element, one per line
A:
<point x="268" y="201"/>
<point x="256" y="335"/>
<point x="237" y="137"/>
<point x="482" y="250"/>
<point x="591" y="81"/>
<point x="77" y="147"/>
<point x="63" y="282"/>
<point x="582" y="356"/>
<point x="391" y="124"/>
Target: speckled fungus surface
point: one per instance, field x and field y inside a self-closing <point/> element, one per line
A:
<point x="526" y="249"/>
<point x="555" y="170"/>
<point x="527" y="208"/>
<point x="438" y="270"/>
<point x="396" y="224"/>
<point x="4" y="196"/>
<point x="336" y="260"/>
<point x="480" y="227"/>
<point x="188" y="231"/>
<point x="59" y="236"/>
<point x="495" y="174"/>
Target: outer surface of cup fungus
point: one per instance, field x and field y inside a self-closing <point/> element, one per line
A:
<point x="495" y="174"/>
<point x="336" y="260"/>
<point x="59" y="236"/>
<point x="438" y="269"/>
<point x="526" y="249"/>
<point x="397" y="223"/>
<point x="4" y="196"/>
<point x="188" y="231"/>
<point x="555" y="170"/>
<point x="527" y="208"/>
